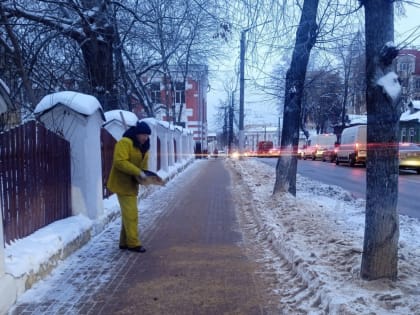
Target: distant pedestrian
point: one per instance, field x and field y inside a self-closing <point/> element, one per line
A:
<point x="131" y="157"/>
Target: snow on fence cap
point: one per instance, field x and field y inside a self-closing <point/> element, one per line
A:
<point x="81" y="103"/>
<point x="115" y="115"/>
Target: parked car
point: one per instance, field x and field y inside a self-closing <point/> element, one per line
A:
<point x="274" y="152"/>
<point x="330" y="154"/>
<point x="221" y="153"/>
<point x="317" y="144"/>
<point x="301" y="147"/>
<point x="352" y="149"/>
<point x="409" y="156"/>
<point x="264" y="147"/>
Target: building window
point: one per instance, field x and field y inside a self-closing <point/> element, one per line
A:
<point x="155" y="93"/>
<point x="405" y="67"/>
<point x="417" y="84"/>
<point x="403" y="135"/>
<point x="411" y="134"/>
<point x="179" y="93"/>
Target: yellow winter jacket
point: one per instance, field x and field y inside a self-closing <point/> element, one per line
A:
<point x="127" y="163"/>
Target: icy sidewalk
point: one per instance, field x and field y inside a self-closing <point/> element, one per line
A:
<point x="32" y="258"/>
<point x="195" y="263"/>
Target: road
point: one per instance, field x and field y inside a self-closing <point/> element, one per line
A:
<point x="353" y="179"/>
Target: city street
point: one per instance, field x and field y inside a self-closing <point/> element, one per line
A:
<point x="353" y="179"/>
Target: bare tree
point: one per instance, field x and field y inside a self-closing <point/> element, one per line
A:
<point x="163" y="39"/>
<point x="380" y="248"/>
<point x="351" y="56"/>
<point x="322" y="99"/>
<point x="89" y="24"/>
<point x="14" y="50"/>
<point x="295" y="78"/>
<point x="106" y="47"/>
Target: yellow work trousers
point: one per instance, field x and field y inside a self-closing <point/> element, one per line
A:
<point x="129" y="235"/>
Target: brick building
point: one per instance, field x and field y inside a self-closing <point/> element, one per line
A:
<point x="175" y="97"/>
<point x="407" y="66"/>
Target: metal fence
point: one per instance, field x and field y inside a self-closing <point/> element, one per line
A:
<point x="35" y="182"/>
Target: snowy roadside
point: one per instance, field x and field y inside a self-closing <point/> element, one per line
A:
<point x="320" y="235"/>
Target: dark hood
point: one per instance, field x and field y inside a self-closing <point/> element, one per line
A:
<point x="131" y="134"/>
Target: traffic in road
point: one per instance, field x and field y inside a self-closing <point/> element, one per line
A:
<point x="353" y="179"/>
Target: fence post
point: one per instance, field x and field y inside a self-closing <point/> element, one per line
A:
<point x="164" y="148"/>
<point x="7" y="285"/>
<point x="1" y="246"/>
<point x="83" y="131"/>
<point x="152" y="163"/>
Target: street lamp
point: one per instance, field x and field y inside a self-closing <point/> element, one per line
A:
<point x="242" y="86"/>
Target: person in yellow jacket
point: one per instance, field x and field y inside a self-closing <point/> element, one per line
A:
<point x="131" y="156"/>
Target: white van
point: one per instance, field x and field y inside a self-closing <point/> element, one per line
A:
<point x="352" y="148"/>
<point x="317" y="144"/>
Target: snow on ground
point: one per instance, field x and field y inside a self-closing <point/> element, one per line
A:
<point x="320" y="233"/>
<point x="73" y="278"/>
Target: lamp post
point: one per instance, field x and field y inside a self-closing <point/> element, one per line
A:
<point x="242" y="86"/>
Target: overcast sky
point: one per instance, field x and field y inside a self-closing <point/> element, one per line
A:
<point x="262" y="109"/>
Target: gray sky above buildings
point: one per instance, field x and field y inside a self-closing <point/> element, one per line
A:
<point x="261" y="108"/>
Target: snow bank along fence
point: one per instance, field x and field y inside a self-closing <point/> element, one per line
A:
<point x="46" y="177"/>
<point x="43" y="175"/>
<point x="58" y="168"/>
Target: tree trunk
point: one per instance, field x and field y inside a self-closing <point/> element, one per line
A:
<point x="98" y="57"/>
<point x="295" y="78"/>
<point x="380" y="248"/>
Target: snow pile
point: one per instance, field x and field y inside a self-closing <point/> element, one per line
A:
<point x="320" y="234"/>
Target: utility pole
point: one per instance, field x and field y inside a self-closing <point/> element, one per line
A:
<point x="241" y="92"/>
<point x="231" y="109"/>
<point x="242" y="87"/>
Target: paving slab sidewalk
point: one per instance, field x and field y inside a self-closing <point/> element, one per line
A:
<point x="195" y="261"/>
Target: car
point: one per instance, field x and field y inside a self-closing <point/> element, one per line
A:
<point x="263" y="148"/>
<point x="330" y="154"/>
<point x="221" y="153"/>
<point x="353" y="146"/>
<point x="317" y="144"/>
<point x="274" y="152"/>
<point x="301" y="147"/>
<point x="409" y="156"/>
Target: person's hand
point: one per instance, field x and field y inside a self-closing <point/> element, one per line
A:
<point x="142" y="175"/>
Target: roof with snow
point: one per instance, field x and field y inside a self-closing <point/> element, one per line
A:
<point x="81" y="103"/>
<point x="409" y="114"/>
<point x="415" y="104"/>
<point x="357" y="119"/>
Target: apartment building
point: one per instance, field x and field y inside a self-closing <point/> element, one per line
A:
<point x="407" y="66"/>
<point x="183" y="96"/>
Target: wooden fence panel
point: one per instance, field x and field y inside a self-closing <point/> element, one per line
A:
<point x="35" y="179"/>
<point x="107" y="151"/>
